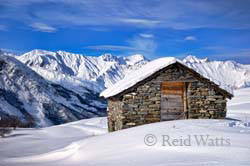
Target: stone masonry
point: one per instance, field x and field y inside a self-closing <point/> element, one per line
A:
<point x="141" y="104"/>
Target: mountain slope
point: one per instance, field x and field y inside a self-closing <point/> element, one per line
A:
<point x="227" y="73"/>
<point x="28" y="96"/>
<point x="98" y="73"/>
<point x="73" y="82"/>
<point x="75" y="70"/>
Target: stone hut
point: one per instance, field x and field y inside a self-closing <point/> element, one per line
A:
<point x="164" y="89"/>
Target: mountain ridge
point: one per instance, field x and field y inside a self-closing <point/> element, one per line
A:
<point x="229" y="73"/>
<point x="71" y="68"/>
<point x="107" y="69"/>
<point x="39" y="103"/>
<point x="73" y="82"/>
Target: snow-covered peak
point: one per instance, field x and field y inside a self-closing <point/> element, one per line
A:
<point x="108" y="57"/>
<point x="194" y="59"/>
<point x="37" y="52"/>
<point x="134" y="59"/>
<point x="224" y="73"/>
<point x="64" y="66"/>
<point x="28" y="96"/>
<point x="137" y="57"/>
<point x="107" y="69"/>
<point x="2" y="52"/>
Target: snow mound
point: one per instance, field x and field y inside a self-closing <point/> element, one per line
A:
<point x="239" y="106"/>
<point x="50" y="140"/>
<point x="87" y="142"/>
<point x="130" y="146"/>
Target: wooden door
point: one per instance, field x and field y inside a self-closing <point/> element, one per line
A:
<point x="172" y="100"/>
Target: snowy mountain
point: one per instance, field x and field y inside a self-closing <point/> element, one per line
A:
<point x="76" y="70"/>
<point x="7" y="53"/>
<point x="97" y="73"/>
<point x="227" y="73"/>
<point x="64" y="87"/>
<point x="36" y="102"/>
<point x="72" y="82"/>
<point x="199" y="142"/>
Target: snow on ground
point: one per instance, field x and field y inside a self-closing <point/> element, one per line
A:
<point x="239" y="106"/>
<point x="30" y="142"/>
<point x="87" y="143"/>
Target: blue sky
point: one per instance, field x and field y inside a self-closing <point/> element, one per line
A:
<point x="155" y="28"/>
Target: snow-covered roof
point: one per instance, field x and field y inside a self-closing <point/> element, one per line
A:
<point x="138" y="75"/>
<point x="144" y="72"/>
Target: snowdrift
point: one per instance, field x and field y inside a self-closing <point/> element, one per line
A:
<point x="133" y="146"/>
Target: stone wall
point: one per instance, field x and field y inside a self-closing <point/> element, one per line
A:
<point x="114" y="111"/>
<point x="204" y="102"/>
<point x="141" y="105"/>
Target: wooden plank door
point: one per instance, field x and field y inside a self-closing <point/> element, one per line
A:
<point x="172" y="100"/>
